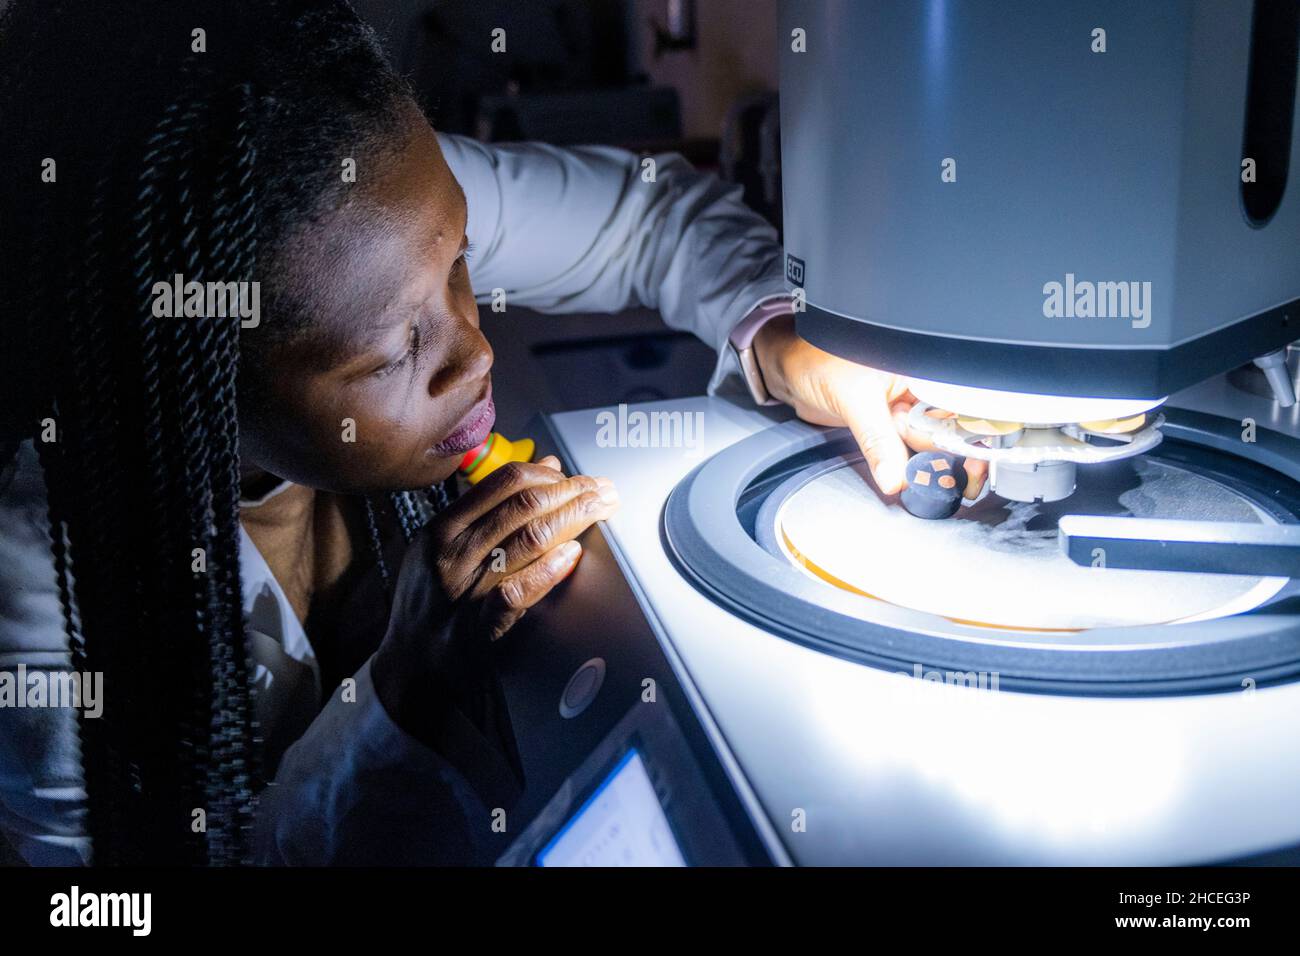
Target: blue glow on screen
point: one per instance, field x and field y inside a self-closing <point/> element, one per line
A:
<point x="621" y="824"/>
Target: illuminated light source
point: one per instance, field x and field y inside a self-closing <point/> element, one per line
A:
<point x="999" y="406"/>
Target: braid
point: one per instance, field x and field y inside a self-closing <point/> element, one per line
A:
<point x="438" y="497"/>
<point x="89" y="445"/>
<point x="377" y="547"/>
<point x="189" y="343"/>
<point x="411" y="516"/>
<point x="235" y="256"/>
<point x="414" y="510"/>
<point x="404" y="507"/>
<point x="155" y="235"/>
<point x="178" y="410"/>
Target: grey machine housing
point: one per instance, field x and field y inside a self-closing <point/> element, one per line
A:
<point x="1119" y="166"/>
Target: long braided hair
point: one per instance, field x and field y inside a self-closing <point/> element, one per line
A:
<point x="166" y="159"/>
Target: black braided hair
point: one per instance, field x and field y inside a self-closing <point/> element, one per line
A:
<point x="412" y="511"/>
<point x="169" y="161"/>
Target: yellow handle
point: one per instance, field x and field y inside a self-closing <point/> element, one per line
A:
<point x="492" y="454"/>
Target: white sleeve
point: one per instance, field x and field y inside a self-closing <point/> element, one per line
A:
<point x="582" y="230"/>
<point x="42" y="794"/>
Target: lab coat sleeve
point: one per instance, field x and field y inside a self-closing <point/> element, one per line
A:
<point x="598" y="229"/>
<point x="357" y="790"/>
<point x="42" y="793"/>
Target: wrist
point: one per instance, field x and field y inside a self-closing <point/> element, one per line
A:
<point x="771" y="344"/>
<point x="392" y="686"/>
<point x="428" y="666"/>
<point x="742" y="340"/>
<point x="417" y="699"/>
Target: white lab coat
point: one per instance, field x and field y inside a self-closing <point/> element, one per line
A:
<point x="560" y="230"/>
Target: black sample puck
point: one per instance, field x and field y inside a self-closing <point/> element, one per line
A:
<point x="935" y="482"/>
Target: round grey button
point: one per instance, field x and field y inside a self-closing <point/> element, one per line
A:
<point x="582" y="688"/>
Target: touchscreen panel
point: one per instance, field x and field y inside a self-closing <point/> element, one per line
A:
<point x="621" y="824"/>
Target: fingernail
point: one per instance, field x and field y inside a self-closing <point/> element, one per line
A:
<point x="608" y="493"/>
<point x="566" y="559"/>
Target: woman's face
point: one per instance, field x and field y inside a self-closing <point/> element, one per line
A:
<point x="388" y="386"/>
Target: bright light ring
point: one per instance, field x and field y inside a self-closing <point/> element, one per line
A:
<point x="999" y="406"/>
<point x="1034" y="445"/>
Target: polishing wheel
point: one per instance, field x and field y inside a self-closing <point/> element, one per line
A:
<point x="786" y="528"/>
<point x="999" y="563"/>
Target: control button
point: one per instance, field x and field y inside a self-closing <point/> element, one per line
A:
<point x="582" y="688"/>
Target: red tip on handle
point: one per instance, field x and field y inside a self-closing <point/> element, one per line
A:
<point x="469" y="457"/>
<point x="474" y="454"/>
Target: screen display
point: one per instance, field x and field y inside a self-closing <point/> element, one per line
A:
<point x="621" y="824"/>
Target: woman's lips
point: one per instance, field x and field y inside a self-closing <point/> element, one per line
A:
<point x="473" y="429"/>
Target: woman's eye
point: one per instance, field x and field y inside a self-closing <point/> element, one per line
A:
<point x="413" y="346"/>
<point x="458" y="267"/>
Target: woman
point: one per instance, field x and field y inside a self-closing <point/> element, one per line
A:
<point x="222" y="513"/>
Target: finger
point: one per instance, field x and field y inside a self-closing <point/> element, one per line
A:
<point x="527" y="506"/>
<point x="904" y="401"/>
<point x="915" y="439"/>
<point x="897" y="389"/>
<point x="506" y="603"/>
<point x="977" y="472"/>
<point x="542" y="534"/>
<point x="479" y="557"/>
<point x="872" y="425"/>
<point x="510" y="479"/>
<point x="550" y="461"/>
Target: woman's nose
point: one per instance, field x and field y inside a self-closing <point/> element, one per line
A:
<point x="467" y="363"/>
<point x="481" y="357"/>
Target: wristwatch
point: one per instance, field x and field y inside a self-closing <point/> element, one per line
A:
<point x="741" y="343"/>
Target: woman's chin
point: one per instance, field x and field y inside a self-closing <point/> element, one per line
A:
<point x="438" y="469"/>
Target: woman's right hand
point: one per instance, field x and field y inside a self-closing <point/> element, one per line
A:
<point x="474" y="570"/>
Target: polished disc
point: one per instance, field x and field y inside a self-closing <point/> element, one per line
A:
<point x="999" y="563"/>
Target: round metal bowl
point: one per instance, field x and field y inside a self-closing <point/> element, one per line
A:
<point x="714" y="533"/>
